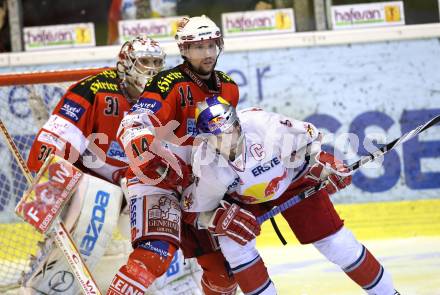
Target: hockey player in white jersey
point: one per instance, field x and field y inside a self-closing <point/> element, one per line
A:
<point x="259" y="160"/>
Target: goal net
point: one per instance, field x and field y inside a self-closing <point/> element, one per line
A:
<point x="26" y="101"/>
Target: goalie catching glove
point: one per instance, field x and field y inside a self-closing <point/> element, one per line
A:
<point x="238" y="224"/>
<point x="327" y="167"/>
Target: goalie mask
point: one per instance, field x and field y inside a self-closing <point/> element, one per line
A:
<point x="217" y="120"/>
<point x="139" y="60"/>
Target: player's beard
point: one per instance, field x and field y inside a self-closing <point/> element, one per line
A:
<point x="203" y="69"/>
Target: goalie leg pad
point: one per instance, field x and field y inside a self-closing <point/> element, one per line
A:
<point x="247" y="266"/>
<point x="90" y="217"/>
<point x="217" y="278"/>
<point x="356" y="261"/>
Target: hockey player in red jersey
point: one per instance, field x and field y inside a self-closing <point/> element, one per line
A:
<point x="82" y="127"/>
<point x="157" y="136"/>
<point x="261" y="159"/>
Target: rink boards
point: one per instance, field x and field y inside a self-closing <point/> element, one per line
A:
<point x="405" y="235"/>
<point x="381" y="220"/>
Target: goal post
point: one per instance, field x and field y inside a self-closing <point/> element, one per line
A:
<point x="27" y="100"/>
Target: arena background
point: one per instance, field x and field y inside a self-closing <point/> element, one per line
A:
<point x="380" y="85"/>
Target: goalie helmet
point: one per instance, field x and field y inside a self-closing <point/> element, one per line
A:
<point x="139" y="60"/>
<point x="196" y="29"/>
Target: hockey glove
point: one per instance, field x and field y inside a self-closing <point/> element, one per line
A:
<point x="161" y="168"/>
<point x="327" y="167"/>
<point x="234" y="222"/>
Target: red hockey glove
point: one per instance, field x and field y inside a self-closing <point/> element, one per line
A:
<point x="234" y="222"/>
<point x="161" y="168"/>
<point x="327" y="167"/>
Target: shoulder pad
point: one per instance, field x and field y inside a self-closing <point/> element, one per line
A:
<point x="224" y="77"/>
<point x="106" y="81"/>
<point x="163" y="82"/>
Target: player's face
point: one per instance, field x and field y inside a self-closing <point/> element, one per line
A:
<point x="228" y="142"/>
<point x="203" y="56"/>
<point x="148" y="65"/>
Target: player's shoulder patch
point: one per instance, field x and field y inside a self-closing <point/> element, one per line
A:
<point x="224" y="77"/>
<point x="105" y="81"/>
<point x="164" y="81"/>
<point x="71" y="110"/>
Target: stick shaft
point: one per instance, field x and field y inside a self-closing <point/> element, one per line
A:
<point x="16" y="153"/>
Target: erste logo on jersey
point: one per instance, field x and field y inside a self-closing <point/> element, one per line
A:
<point x="72" y="110"/>
<point x="147" y="104"/>
<point x="260" y="169"/>
<point x="115" y="151"/>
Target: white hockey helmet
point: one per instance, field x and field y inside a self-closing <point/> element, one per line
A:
<point x="138" y="60"/>
<point x="196" y="29"/>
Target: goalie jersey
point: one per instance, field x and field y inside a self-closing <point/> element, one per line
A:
<point x="83" y="128"/>
<point x="275" y="153"/>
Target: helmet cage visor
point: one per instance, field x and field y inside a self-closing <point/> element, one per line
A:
<point x="148" y="65"/>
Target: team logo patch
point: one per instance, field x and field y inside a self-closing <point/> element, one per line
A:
<point x="309" y="129"/>
<point x="147" y="104"/>
<point x="71" y="110"/>
<point x="115" y="151"/>
<point x="188" y="202"/>
<point x="191" y="128"/>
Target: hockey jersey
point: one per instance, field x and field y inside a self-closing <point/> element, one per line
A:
<point x="274" y="155"/>
<point x="166" y="110"/>
<point x="83" y="128"/>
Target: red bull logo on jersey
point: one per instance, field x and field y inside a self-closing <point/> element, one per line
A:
<point x="274" y="184"/>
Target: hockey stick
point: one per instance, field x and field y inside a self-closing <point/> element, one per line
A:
<point x="61" y="235"/>
<point x="351" y="169"/>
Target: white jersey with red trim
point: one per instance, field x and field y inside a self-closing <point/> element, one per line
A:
<point x="275" y="153"/>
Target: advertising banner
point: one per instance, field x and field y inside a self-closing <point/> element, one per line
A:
<point x="258" y="22"/>
<point x="59" y="36"/>
<point x="161" y="29"/>
<point x="367" y="15"/>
